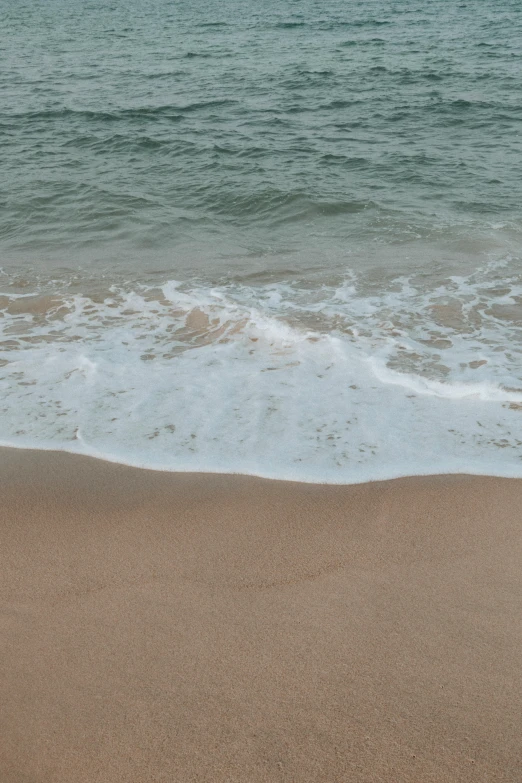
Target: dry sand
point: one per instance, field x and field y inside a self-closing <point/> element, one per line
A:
<point x="178" y="628"/>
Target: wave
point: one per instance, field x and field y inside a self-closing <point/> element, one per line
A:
<point x="213" y="24"/>
<point x="133" y="113"/>
<point x="363" y="385"/>
<point x="289" y="25"/>
<point x="485" y="391"/>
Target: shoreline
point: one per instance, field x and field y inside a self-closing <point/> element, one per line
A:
<point x="444" y="471"/>
<point x="209" y="627"/>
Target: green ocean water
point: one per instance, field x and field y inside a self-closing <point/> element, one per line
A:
<point x="195" y="194"/>
<point x="192" y="136"/>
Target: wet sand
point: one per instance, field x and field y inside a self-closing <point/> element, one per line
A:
<point x="179" y="628"/>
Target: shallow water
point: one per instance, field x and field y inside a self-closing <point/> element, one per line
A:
<point x="281" y="240"/>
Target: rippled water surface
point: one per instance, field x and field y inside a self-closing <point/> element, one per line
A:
<point x="225" y="221"/>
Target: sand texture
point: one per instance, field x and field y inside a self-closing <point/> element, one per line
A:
<point x="179" y="628"/>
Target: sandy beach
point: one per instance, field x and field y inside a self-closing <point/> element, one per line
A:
<point x="181" y="627"/>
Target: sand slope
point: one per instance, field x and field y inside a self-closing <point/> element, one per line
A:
<point x="160" y="627"/>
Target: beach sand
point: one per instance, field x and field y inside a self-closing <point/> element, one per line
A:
<point x="180" y="627"/>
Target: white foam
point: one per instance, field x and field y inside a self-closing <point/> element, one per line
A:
<point x="333" y="384"/>
<point x="450" y="391"/>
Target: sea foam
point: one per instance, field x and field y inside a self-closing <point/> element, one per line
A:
<point x="332" y="384"/>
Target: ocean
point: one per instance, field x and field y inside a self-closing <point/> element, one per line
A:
<point x="281" y="239"/>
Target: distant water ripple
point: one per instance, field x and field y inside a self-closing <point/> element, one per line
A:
<point x="222" y="114"/>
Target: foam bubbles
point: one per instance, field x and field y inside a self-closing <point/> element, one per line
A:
<point x="335" y="384"/>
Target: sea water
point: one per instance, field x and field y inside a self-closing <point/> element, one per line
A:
<point x="282" y="239"/>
